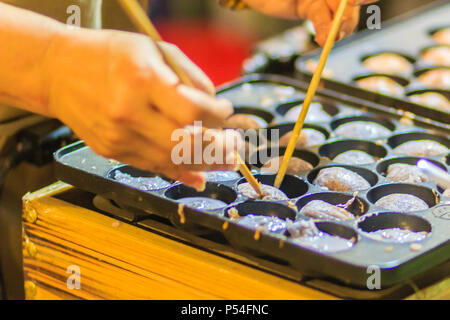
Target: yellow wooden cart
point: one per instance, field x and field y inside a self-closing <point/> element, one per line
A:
<point x="74" y="251"/>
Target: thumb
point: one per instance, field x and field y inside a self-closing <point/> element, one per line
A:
<point x="195" y="74"/>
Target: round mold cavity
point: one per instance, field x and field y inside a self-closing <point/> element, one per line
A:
<point x="431" y="32"/>
<point x="357" y="208"/>
<point x="137" y="173"/>
<point x="264" y="208"/>
<point x="381" y="121"/>
<point x="292" y="186"/>
<point x="333" y="149"/>
<point x="289" y="126"/>
<point x="398" y="139"/>
<point x="261" y="156"/>
<point x="263" y="114"/>
<point x="445" y="93"/>
<point x="382" y="166"/>
<point x="368" y="175"/>
<point x="429" y="196"/>
<point x="392" y="220"/>
<point x="411" y="59"/>
<point x="331" y="229"/>
<point x="329" y="108"/>
<point x="400" y="80"/>
<point x="212" y="190"/>
<point x="421" y="71"/>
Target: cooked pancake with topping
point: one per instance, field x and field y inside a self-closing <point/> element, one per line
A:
<point x="389" y="63"/>
<point x="307" y="138"/>
<point x="354" y="157"/>
<point x="401" y="202"/>
<point x="436" y="78"/>
<point x="319" y="209"/>
<point x="381" y="84"/>
<point x="315" y="113"/>
<point x="270" y="193"/>
<point x="295" y="165"/>
<point x="439" y="56"/>
<point x="432" y="99"/>
<point x="244" y="121"/>
<point x="402" y="172"/>
<point x="340" y="179"/>
<point x="421" y="148"/>
<point x="362" y="130"/>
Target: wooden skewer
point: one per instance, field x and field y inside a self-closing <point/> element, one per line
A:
<point x="145" y="26"/>
<point x="311" y="92"/>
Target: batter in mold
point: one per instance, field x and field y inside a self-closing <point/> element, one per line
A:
<point x="397" y="235"/>
<point x="340" y="179"/>
<point x="421" y="148"/>
<point x="269" y="223"/>
<point x="202" y="203"/>
<point x="362" y="130"/>
<point x="142" y="183"/>
<point x="401" y="202"/>
<point x="218" y="176"/>
<point x="306" y="234"/>
<point x="354" y="157"/>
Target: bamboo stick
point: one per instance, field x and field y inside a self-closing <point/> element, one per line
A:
<point x="145" y="26"/>
<point x="311" y="92"/>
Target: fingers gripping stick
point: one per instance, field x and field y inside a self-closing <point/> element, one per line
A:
<point x="145" y="26"/>
<point x="311" y="92"/>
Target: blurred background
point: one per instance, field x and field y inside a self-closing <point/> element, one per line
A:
<point x="219" y="39"/>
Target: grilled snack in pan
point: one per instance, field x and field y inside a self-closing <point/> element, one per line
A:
<point x="354" y="157"/>
<point x="362" y="130"/>
<point x="442" y="36"/>
<point x="401" y="202"/>
<point x="244" y="121"/>
<point x="388" y="63"/>
<point x="421" y="148"/>
<point x="437" y="56"/>
<point x="436" y="78"/>
<point x="432" y="99"/>
<point x="270" y="193"/>
<point x="295" y="165"/>
<point x="402" y="172"/>
<point x="340" y="179"/>
<point x="316" y="113"/>
<point x="322" y="210"/>
<point x="381" y="84"/>
<point x="307" y="138"/>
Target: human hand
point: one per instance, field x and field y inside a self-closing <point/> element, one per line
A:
<point x="320" y="12"/>
<point x="116" y="92"/>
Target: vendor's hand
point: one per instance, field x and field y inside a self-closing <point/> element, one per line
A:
<point x="116" y="92"/>
<point x="320" y="12"/>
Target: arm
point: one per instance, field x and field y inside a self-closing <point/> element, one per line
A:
<point x="22" y="55"/>
<point x="112" y="88"/>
